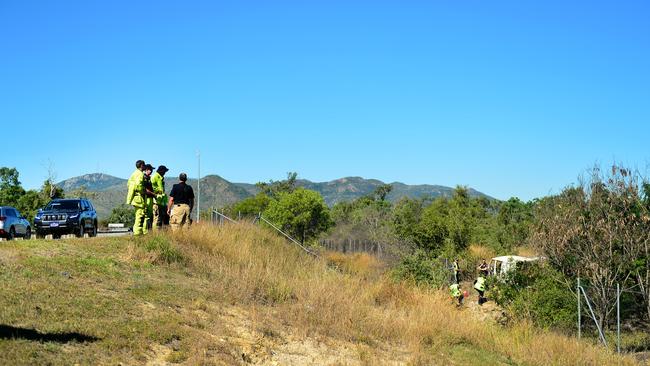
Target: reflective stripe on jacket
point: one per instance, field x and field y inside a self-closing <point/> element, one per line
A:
<point x="480" y="284"/>
<point x="454" y="290"/>
<point x="158" y="183"/>
<point x="135" y="194"/>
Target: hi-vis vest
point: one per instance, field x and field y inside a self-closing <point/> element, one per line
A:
<point x="158" y="183"/>
<point x="135" y="194"/>
<point x="480" y="284"/>
<point x="454" y="290"/>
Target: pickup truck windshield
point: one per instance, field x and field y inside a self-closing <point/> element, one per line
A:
<point x="63" y="205"/>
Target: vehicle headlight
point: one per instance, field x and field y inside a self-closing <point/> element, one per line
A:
<point x="74" y="216"/>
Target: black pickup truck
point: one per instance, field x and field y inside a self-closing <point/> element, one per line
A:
<point x="66" y="216"/>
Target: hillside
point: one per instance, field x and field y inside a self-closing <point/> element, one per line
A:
<point x="236" y="295"/>
<point x="110" y="191"/>
<point x="218" y="192"/>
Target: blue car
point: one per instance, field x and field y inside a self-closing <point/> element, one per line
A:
<point x="66" y="216"/>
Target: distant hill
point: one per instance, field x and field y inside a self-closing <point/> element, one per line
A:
<point x="92" y="182"/>
<point x="216" y="191"/>
<point x="350" y="188"/>
<point x="110" y="191"/>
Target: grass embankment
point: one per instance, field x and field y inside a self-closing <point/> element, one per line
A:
<point x="235" y="295"/>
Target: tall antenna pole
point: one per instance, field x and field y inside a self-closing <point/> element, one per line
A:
<point x="198" y="188"/>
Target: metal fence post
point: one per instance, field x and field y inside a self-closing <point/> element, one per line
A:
<point x="618" y="317"/>
<point x="593" y="316"/>
<point x="579" y="315"/>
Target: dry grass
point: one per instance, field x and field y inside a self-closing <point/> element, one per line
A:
<point x="526" y="251"/>
<point x="174" y="289"/>
<point x="480" y="252"/>
<point x="255" y="267"/>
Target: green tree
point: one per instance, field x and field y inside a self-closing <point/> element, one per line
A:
<point x="273" y="189"/>
<point x="406" y="217"/>
<point x="10" y="188"/>
<point x="29" y="204"/>
<point x="433" y="229"/>
<point x="597" y="231"/>
<point x="463" y="212"/>
<point x="536" y="292"/>
<point x="302" y="213"/>
<point x="50" y="191"/>
<point x="514" y="220"/>
<point x="123" y="214"/>
<point x="382" y="191"/>
<point x="250" y="206"/>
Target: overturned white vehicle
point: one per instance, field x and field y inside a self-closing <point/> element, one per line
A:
<point x="500" y="266"/>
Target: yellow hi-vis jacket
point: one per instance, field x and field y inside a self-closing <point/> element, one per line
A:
<point x="480" y="284"/>
<point x="158" y="183"/>
<point x="454" y="290"/>
<point x="135" y="194"/>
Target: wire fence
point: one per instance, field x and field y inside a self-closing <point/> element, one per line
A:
<point x="219" y="218"/>
<point x="371" y="247"/>
<point x="354" y="246"/>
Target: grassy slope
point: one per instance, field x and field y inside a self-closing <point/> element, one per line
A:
<point x="238" y="294"/>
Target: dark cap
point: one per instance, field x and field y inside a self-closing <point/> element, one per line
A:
<point x="182" y="177"/>
<point x="148" y="167"/>
<point x="162" y="169"/>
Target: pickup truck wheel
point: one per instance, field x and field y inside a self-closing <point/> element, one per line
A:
<point x="12" y="233"/>
<point x="94" y="232"/>
<point x="80" y="231"/>
<point x="28" y="234"/>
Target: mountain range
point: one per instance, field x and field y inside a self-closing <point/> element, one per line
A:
<point x="109" y="191"/>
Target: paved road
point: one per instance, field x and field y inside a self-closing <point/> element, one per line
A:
<point x="113" y="233"/>
<point x="99" y="234"/>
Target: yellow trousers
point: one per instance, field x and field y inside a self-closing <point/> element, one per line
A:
<point x="139" y="226"/>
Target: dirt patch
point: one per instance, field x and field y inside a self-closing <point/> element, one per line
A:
<point x="8" y="256"/>
<point x="257" y="340"/>
<point x="158" y="355"/>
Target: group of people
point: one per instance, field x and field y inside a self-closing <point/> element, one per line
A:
<point x="154" y="209"/>
<point x="479" y="283"/>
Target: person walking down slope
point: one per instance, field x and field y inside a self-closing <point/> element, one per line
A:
<point x="479" y="285"/>
<point x="456" y="271"/>
<point x="456" y="293"/>
<point x="483" y="268"/>
<point x="160" y="217"/>
<point x="135" y="196"/>
<point x="181" y="203"/>
<point x="148" y="199"/>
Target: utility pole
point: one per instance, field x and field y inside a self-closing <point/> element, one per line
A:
<point x="198" y="188"/>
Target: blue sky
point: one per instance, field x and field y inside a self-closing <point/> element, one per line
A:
<point x="513" y="98"/>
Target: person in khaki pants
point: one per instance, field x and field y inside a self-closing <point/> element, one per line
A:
<point x="181" y="203"/>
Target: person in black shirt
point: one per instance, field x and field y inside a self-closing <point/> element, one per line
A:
<point x="181" y="203"/>
<point x="149" y="198"/>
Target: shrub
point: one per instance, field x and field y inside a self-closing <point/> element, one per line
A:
<point x="422" y="269"/>
<point x="536" y="292"/>
<point x="163" y="249"/>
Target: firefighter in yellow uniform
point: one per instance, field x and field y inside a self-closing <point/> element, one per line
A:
<point x="160" y="217"/>
<point x="479" y="286"/>
<point x="456" y="293"/>
<point x="135" y="196"/>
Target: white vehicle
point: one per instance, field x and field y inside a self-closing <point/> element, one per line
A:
<point x="500" y="266"/>
<point x="13" y="224"/>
